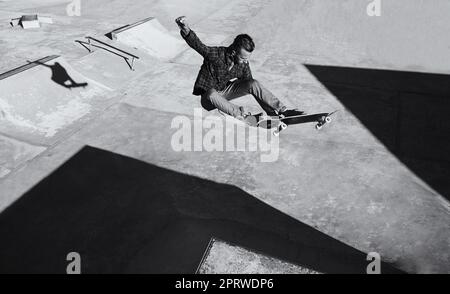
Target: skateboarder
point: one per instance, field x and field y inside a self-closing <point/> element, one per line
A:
<point x="226" y="75"/>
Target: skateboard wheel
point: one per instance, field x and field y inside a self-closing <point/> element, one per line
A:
<point x="276" y="133"/>
<point x="283" y="126"/>
<point x="318" y="127"/>
<point x="328" y="119"/>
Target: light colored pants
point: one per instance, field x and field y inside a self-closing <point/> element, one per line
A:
<point x="239" y="88"/>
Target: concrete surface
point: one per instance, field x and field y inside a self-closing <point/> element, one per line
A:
<point x="44" y="96"/>
<point x="223" y="258"/>
<point x="376" y="179"/>
<point x="123" y="215"/>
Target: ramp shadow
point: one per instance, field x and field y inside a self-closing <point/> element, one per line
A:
<point x="126" y="216"/>
<point x="406" y="111"/>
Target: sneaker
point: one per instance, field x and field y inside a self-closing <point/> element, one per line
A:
<point x="222" y="113"/>
<point x="290" y="112"/>
<point x="247" y="118"/>
<point x="250" y="119"/>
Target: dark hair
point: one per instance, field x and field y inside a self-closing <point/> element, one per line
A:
<point x="243" y="41"/>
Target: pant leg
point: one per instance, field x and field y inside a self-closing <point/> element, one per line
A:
<point x="239" y="88"/>
<point x="264" y="97"/>
<point x="219" y="100"/>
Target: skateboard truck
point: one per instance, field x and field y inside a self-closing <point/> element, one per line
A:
<point x="281" y="127"/>
<point x="320" y="118"/>
<point x="324" y="120"/>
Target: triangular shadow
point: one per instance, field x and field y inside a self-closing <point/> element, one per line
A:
<point x="406" y="111"/>
<point x="126" y="216"/>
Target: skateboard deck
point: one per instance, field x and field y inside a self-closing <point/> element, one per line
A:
<point x="280" y="123"/>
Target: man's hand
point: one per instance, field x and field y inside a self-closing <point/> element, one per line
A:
<point x="182" y="24"/>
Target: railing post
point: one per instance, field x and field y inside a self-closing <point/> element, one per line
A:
<point x="89" y="42"/>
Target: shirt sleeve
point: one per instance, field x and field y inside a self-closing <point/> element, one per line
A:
<point x="194" y="42"/>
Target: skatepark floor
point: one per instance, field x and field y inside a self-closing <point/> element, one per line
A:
<point x="94" y="169"/>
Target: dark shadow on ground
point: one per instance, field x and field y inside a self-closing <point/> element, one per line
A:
<point x="126" y="216"/>
<point x="61" y="76"/>
<point x="406" y="111"/>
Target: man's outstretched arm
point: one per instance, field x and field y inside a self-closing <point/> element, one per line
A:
<point x="191" y="38"/>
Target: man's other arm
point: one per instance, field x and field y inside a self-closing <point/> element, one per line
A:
<point x="191" y="38"/>
<point x="194" y="42"/>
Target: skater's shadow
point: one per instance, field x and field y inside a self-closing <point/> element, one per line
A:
<point x="61" y="76"/>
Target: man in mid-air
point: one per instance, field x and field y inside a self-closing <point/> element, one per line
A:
<point x="226" y="75"/>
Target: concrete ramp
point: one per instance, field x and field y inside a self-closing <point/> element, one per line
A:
<point x="43" y="96"/>
<point x="151" y="37"/>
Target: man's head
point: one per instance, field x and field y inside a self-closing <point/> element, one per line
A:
<point x="242" y="47"/>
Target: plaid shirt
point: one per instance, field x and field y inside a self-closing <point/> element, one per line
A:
<point x="218" y="67"/>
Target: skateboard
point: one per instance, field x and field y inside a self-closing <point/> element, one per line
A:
<point x="280" y="123"/>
